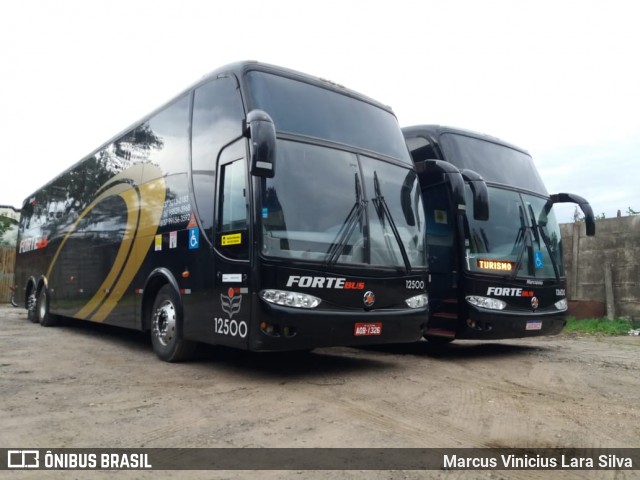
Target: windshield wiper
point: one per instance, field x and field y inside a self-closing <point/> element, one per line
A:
<point x="346" y="229"/>
<point x="383" y="210"/>
<point x="524" y="235"/>
<point x="540" y="233"/>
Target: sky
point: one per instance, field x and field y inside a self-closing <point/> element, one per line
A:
<point x="558" y="78"/>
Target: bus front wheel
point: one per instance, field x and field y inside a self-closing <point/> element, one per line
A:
<point x="166" y="328"/>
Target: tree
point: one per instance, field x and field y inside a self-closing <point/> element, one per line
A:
<point x="8" y="231"/>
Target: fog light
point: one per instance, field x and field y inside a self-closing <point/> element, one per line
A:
<point x="486" y="302"/>
<point x="289" y="299"/>
<point x="270" y="329"/>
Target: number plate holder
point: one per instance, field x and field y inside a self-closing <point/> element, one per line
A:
<point x="367" y="329"/>
<point x="534" y="325"/>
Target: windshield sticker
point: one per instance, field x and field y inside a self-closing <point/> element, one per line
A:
<point x="231" y="239"/>
<point x="173" y="239"/>
<point x="502" y="265"/>
<point x="176" y="211"/>
<point x="265" y="213"/>
<point x="440" y="216"/>
<point x="194" y="238"/>
<point x="538" y="259"/>
<point x="192" y="221"/>
<point x="509" y="292"/>
<point x="158" y="243"/>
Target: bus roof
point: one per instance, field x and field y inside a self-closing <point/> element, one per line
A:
<point x="238" y="69"/>
<point x="434" y="131"/>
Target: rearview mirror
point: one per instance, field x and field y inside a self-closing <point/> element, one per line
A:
<point x="589" y="219"/>
<point x="262" y="143"/>
<point x="480" y="194"/>
<point x="452" y="176"/>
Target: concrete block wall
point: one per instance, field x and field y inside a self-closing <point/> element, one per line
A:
<point x="616" y="246"/>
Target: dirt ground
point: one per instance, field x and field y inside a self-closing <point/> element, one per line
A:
<point x="86" y="385"/>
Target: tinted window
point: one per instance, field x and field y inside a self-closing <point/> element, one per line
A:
<point x="421" y="149"/>
<point x="305" y="109"/>
<point x="233" y="202"/>
<point x="161" y="140"/>
<point x="496" y="163"/>
<point x="217" y="119"/>
<point x="321" y="206"/>
<point x="520" y="234"/>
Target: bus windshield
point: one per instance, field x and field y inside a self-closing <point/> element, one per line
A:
<point x="496" y="163"/>
<point x="304" y="109"/>
<point x="326" y="205"/>
<point x="521" y="238"/>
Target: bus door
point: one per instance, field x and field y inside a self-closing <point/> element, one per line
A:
<point x="440" y="226"/>
<point x="231" y="300"/>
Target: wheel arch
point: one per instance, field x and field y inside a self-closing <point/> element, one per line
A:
<point x="155" y="281"/>
<point x="41" y="283"/>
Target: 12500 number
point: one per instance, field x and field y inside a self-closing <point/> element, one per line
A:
<point x="415" y="284"/>
<point x="224" y="326"/>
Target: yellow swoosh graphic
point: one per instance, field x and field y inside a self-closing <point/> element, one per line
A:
<point x="144" y="210"/>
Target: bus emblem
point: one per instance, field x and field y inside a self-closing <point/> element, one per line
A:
<point x="369" y="299"/>
<point x="534" y="303"/>
<point x="231" y="304"/>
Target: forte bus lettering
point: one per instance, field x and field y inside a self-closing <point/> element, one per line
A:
<point x="323" y="282"/>
<point x="509" y="292"/>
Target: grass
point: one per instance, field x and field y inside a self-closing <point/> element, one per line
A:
<point x="600" y="326"/>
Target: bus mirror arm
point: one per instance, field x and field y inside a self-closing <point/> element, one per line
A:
<point x="261" y="131"/>
<point x="589" y="219"/>
<point x="405" y="198"/>
<point x="480" y="194"/>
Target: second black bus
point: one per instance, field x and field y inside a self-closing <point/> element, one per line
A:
<point x="494" y="249"/>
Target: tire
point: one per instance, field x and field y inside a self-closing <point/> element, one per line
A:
<point x="45" y="317"/>
<point x="31" y="308"/>
<point x="166" y="328"/>
<point x="436" y="340"/>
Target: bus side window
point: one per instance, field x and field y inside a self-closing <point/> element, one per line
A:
<point x="217" y="119"/>
<point x="233" y="218"/>
<point x="421" y="149"/>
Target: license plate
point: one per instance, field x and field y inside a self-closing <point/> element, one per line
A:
<point x="534" y="325"/>
<point x="367" y="329"/>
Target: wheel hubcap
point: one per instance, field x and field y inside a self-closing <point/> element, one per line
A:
<point x="164" y="323"/>
<point x="42" y="311"/>
<point x="31" y="303"/>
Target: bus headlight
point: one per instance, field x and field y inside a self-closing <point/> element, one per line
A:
<point x="486" y="302"/>
<point x="290" y="299"/>
<point x="418" y="301"/>
<point x="561" y="304"/>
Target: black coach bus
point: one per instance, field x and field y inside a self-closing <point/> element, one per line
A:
<point x="261" y="209"/>
<point x="494" y="250"/>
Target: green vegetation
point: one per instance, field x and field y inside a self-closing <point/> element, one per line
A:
<point x="8" y="231"/>
<point x="600" y="326"/>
